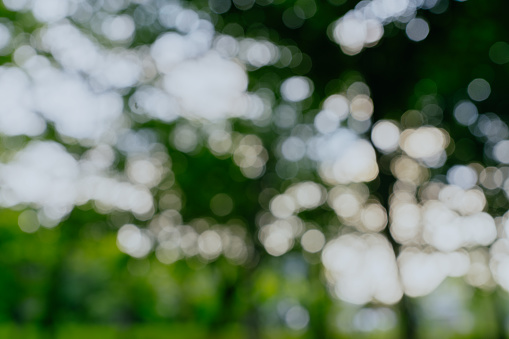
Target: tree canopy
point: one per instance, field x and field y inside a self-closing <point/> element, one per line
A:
<point x="253" y="168"/>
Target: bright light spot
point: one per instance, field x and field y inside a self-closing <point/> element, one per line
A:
<point x="361" y="107"/>
<point x="155" y="103"/>
<point x="499" y="262"/>
<point x="363" y="26"/>
<point x="405" y="222"/>
<point x="15" y="5"/>
<point x="46" y="175"/>
<point x="374" y="32"/>
<point x="465" y="112"/>
<point x="424" y="142"/>
<point x="72" y="48"/>
<point x="501" y="151"/>
<point x="296" y="88"/>
<point x="185" y="138"/>
<point x="168" y="14"/>
<point x="43" y="174"/>
<point x="167" y="255"/>
<point x="350" y="33"/>
<point x="408" y="170"/>
<point x="307" y="194"/>
<point x="420" y="272"/>
<point x="447" y="231"/>
<point x="209" y="244"/>
<point x="258" y="53"/>
<point x="338" y="104"/>
<point x="17" y="114"/>
<point x="136" y="142"/>
<point x="312" y="241"/>
<point x="465" y="202"/>
<point x="226" y="45"/>
<point x="345" y="202"/>
<point x="456" y="263"/>
<point x="50" y="10"/>
<point x="374" y="217"/>
<point x="353" y="33"/>
<point x="343" y="158"/>
<point x="326" y="122"/>
<point x="362" y="269"/>
<point x="118" y="70"/>
<point x="492" y="127"/>
<point x="134" y="241"/>
<point x="462" y="176"/>
<point x="189" y="241"/>
<point x="209" y="87"/>
<point x="236" y="249"/>
<point x="293" y="149"/>
<point x="417" y="29"/>
<point x="76" y="111"/>
<point x="109" y="194"/>
<point x="297" y="317"/>
<point x="278" y="237"/>
<point x="5" y="36"/>
<point x="187" y="20"/>
<point x="479" y="90"/>
<point x="473" y="201"/>
<point x="491" y="178"/>
<point x="28" y="221"/>
<point x="220" y="142"/>
<point x="147" y="172"/>
<point x="282" y="206"/>
<point x="385" y="136"/>
<point x="118" y="28"/>
<point x="479" y="274"/>
<point x="170" y="49"/>
<point x="250" y="156"/>
<point x="430" y="190"/>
